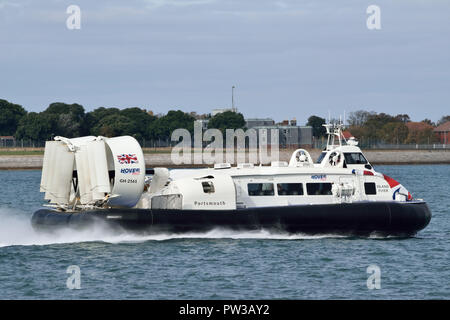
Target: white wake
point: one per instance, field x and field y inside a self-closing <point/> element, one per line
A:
<point x="16" y="230"/>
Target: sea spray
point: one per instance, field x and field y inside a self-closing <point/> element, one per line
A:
<point x="16" y="229"/>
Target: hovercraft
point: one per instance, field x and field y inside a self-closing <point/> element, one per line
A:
<point x="97" y="179"/>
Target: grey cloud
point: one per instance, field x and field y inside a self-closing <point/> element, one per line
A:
<point x="295" y="57"/>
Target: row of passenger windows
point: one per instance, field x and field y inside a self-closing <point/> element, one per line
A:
<point x="293" y="189"/>
<point x="288" y="189"/>
<point x="267" y="189"/>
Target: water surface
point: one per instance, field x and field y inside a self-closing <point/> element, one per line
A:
<point x="222" y="264"/>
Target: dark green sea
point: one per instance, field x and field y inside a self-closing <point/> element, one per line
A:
<point x="222" y="264"/>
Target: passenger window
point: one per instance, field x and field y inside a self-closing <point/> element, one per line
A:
<point x="290" y="189"/>
<point x="260" y="189"/>
<point x="319" y="189"/>
<point x="208" y="187"/>
<point x="370" y="188"/>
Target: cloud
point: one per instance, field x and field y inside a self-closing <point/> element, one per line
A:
<point x="283" y="53"/>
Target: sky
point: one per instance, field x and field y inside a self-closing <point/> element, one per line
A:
<point x="287" y="58"/>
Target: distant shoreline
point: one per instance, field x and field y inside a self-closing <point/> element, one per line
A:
<point x="161" y="158"/>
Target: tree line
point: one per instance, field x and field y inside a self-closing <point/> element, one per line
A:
<point x="71" y="120"/>
<point x="369" y="126"/>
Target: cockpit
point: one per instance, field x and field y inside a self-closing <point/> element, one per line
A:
<point x="342" y="159"/>
<point x="355" y="158"/>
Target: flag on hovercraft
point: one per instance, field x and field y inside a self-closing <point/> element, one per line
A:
<point x="127" y="158"/>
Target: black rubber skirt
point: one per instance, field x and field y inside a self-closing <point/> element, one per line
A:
<point x="361" y="218"/>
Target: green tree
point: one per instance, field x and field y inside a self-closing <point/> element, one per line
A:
<point x="93" y="117"/>
<point x="359" y="132"/>
<point x="114" y="125"/>
<point x="10" y="116"/>
<point x="165" y="125"/>
<point x="227" y="120"/>
<point x="37" y="126"/>
<point x="142" y="120"/>
<point x="372" y="126"/>
<point x="71" y="119"/>
<point x="375" y="123"/>
<point x="394" y="132"/>
<point x="317" y="124"/>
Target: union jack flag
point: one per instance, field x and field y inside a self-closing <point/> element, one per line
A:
<point x="127" y="158"/>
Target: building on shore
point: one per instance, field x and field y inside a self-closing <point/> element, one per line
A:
<point x="289" y="134"/>
<point x="443" y="132"/>
<point x="258" y="122"/>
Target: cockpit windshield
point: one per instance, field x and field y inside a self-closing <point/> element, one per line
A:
<point x="355" y="158"/>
